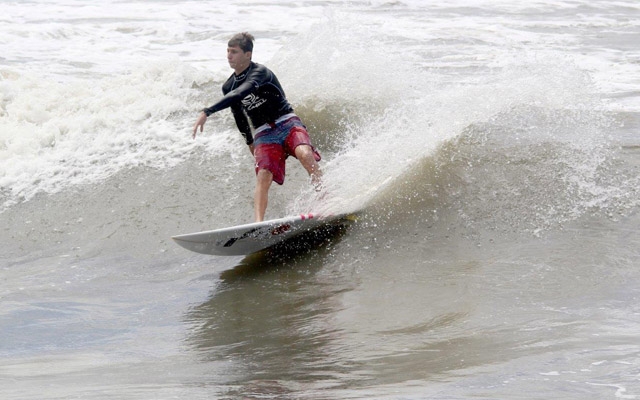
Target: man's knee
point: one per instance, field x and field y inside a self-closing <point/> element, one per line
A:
<point x="264" y="173"/>
<point x="264" y="176"/>
<point x="304" y="152"/>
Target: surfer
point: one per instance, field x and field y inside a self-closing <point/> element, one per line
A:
<point x="265" y="119"/>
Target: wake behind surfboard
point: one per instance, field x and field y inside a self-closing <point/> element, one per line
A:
<point x="250" y="238"/>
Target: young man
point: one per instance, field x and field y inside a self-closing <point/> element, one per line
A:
<point x="266" y="120"/>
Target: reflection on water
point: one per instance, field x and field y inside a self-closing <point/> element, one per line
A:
<point x="336" y="323"/>
<point x="269" y="320"/>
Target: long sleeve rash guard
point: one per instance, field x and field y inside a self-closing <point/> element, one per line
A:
<point x="255" y="97"/>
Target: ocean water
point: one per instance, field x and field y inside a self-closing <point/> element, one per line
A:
<point x="492" y="146"/>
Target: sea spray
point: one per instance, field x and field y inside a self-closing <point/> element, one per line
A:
<point x="530" y="128"/>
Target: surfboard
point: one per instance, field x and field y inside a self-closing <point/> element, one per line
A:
<point x="251" y="238"/>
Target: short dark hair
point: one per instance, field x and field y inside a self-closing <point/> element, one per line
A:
<point x="244" y="40"/>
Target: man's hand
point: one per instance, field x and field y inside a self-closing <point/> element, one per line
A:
<point x="202" y="118"/>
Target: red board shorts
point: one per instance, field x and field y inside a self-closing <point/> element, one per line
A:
<point x="273" y="144"/>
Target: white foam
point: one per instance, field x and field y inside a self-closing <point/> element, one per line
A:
<point x="57" y="134"/>
<point x="86" y="90"/>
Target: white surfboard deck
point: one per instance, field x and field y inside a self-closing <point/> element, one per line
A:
<point x="251" y="238"/>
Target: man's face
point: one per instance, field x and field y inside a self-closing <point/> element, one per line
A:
<point x="238" y="59"/>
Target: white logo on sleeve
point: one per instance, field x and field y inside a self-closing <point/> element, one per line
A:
<point x="252" y="101"/>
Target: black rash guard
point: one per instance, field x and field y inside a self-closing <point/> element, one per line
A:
<point x="255" y="97"/>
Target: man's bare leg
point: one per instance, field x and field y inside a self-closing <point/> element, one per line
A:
<point x="304" y="153"/>
<point x="261" y="196"/>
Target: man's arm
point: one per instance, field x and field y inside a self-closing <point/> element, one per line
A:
<point x="202" y="118"/>
<point x="238" y="115"/>
<point x="239" y="93"/>
<point x="257" y="76"/>
<point x="236" y="94"/>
